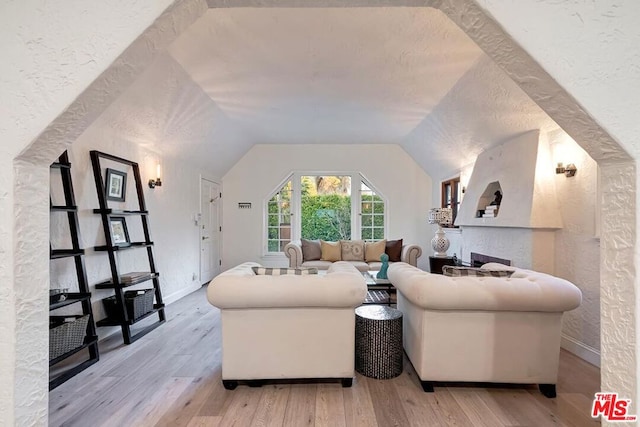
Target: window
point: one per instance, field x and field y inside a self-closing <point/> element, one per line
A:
<point x="279" y="219"/>
<point x="328" y="207"/>
<point x="325" y="207"/>
<point x="371" y="214"/>
<point x="451" y="196"/>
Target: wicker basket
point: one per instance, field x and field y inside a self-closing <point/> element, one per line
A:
<point x="66" y="333"/>
<point x="138" y="303"/>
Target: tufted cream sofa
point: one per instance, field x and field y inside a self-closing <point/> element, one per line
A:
<point x="483" y="329"/>
<point x="278" y="327"/>
<point x="293" y="251"/>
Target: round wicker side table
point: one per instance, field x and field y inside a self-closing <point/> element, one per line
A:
<point x="378" y="341"/>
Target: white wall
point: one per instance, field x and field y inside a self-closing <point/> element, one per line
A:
<point x="388" y="167"/>
<point x="577" y="244"/>
<point x="51" y="52"/>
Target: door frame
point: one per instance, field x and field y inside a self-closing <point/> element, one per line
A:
<point x="199" y="218"/>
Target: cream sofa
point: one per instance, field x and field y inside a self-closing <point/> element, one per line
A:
<point x="285" y="327"/>
<point x="293" y="251"/>
<point x="483" y="329"/>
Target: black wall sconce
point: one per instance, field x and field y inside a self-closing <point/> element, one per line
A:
<point x="153" y="183"/>
<point x="568" y="171"/>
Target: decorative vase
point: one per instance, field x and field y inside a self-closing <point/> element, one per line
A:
<point x="440" y="243"/>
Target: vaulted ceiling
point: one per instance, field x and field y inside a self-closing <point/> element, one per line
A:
<point x="244" y="76"/>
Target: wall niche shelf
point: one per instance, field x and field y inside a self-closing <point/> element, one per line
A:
<point x="116" y="243"/>
<point x="86" y="336"/>
<point x="489" y="202"/>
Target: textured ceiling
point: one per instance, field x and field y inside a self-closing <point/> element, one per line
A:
<point x="244" y="76"/>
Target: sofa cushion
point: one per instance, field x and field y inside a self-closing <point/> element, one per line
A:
<point x="454" y="271"/>
<point x="352" y="250"/>
<point x="393" y="248"/>
<point x="268" y="271"/>
<point x="330" y="251"/>
<point x="311" y="250"/>
<point x="373" y="250"/>
<point x="360" y="265"/>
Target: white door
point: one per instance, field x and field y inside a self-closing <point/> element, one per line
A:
<point x="209" y="230"/>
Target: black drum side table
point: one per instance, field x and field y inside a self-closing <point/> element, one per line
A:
<point x="378" y="341"/>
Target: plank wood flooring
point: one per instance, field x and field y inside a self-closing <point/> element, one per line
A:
<point x="171" y="377"/>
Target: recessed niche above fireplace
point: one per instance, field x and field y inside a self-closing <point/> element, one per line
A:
<point x="521" y="169"/>
<point x="489" y="202"/>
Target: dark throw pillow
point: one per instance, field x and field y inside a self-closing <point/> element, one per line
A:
<point x="393" y="248"/>
<point x="311" y="250"/>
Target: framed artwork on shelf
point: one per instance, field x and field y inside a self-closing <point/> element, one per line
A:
<point x="116" y="185"/>
<point x="119" y="232"/>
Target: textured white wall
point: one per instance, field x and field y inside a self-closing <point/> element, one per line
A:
<point x="528" y="248"/>
<point x="404" y="184"/>
<point x="52" y="52"/>
<point x="578" y="245"/>
<point x="35" y="86"/>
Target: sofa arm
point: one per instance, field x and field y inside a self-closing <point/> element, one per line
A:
<point x="293" y="251"/>
<point x="410" y="254"/>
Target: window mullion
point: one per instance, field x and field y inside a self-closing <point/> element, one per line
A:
<point x="296" y="203"/>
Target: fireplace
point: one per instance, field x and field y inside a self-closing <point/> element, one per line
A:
<point x="477" y="260"/>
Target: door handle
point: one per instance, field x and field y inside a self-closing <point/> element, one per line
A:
<point x="205" y="237"/>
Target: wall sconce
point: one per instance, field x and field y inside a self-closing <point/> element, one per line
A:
<point x="153" y="183"/>
<point x="568" y="171"/>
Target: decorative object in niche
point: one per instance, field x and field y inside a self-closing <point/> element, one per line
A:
<point x="116" y="185"/>
<point x="440" y="243"/>
<point x="489" y="203"/>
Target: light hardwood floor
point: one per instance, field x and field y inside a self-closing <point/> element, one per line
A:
<point x="171" y="377"/>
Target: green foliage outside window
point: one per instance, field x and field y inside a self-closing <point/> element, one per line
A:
<point x="326" y="217"/>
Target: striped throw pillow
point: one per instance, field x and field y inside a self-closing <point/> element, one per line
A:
<point x="268" y="271"/>
<point x="452" y="271"/>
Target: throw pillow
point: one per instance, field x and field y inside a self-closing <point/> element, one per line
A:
<point x="352" y="250"/>
<point x="311" y="250"/>
<point x="393" y="248"/>
<point x="268" y="271"/>
<point x="330" y="251"/>
<point x="373" y="250"/>
<point x="452" y="271"/>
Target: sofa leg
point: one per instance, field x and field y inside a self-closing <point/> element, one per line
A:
<point x="255" y="383"/>
<point x="548" y="390"/>
<point x="346" y="382"/>
<point x="229" y="385"/>
<point x="427" y="386"/>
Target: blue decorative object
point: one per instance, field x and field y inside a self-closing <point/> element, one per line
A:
<point x="382" y="274"/>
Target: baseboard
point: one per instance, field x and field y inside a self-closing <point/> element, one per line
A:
<point x="581" y="350"/>
<point x="181" y="293"/>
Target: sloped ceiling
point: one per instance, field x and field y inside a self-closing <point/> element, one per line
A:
<point x="244" y="76"/>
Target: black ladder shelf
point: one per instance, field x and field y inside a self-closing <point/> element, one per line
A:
<point x="118" y="283"/>
<point x="83" y="297"/>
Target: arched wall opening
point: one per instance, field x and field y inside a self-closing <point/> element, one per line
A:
<point x="31" y="210"/>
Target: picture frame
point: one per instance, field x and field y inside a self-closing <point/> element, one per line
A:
<point x="119" y="232"/>
<point x="116" y="185"/>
